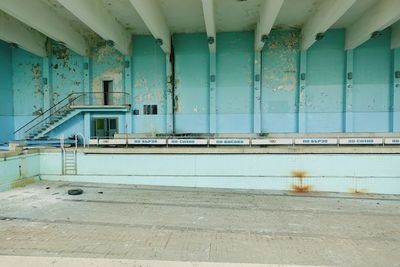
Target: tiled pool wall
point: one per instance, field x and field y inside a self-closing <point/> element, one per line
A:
<point x="349" y="173"/>
<point x="18" y="170"/>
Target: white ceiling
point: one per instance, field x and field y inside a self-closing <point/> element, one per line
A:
<point x="186" y="16"/>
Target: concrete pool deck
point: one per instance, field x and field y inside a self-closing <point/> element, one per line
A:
<point x="125" y="225"/>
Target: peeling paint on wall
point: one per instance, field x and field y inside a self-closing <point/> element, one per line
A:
<point x="283" y="48"/>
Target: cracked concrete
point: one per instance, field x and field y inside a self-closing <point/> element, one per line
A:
<point x="147" y="226"/>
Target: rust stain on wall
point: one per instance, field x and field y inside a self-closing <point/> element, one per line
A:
<point x="358" y="191"/>
<point x="299" y="184"/>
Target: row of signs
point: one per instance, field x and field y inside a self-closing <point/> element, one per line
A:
<point x="246" y="141"/>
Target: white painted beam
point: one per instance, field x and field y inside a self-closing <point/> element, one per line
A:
<point x="14" y="31"/>
<point x="395" y="43"/>
<point x="94" y="14"/>
<point x="151" y="14"/>
<point x="209" y="18"/>
<point x="268" y="13"/>
<point x="42" y="17"/>
<point x="328" y="12"/>
<point x="380" y="16"/>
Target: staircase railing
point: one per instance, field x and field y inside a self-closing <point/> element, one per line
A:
<point x="64" y="106"/>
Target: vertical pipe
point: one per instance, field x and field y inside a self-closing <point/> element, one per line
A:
<point x="301" y="120"/>
<point x="348" y="96"/>
<point x="257" y="93"/>
<point x="86" y="79"/>
<point x="129" y="97"/>
<point x="213" y="92"/>
<point x="170" y="93"/>
<point x="396" y="92"/>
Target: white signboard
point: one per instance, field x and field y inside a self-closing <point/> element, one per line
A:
<point x="184" y="142"/>
<point x="112" y="142"/>
<point x="272" y="141"/>
<point x="316" y="141"/>
<point x="361" y="141"/>
<point x="392" y="141"/>
<point x="148" y="141"/>
<point x="230" y="142"/>
<point x="93" y="142"/>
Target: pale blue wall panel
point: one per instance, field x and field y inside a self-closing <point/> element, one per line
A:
<point x="27" y="86"/>
<point x="192" y="63"/>
<point x="235" y="56"/>
<point x="280" y="72"/>
<point x="6" y="93"/>
<point x="149" y="84"/>
<point x="372" y="81"/>
<point x="325" y="81"/>
<point x="67" y="73"/>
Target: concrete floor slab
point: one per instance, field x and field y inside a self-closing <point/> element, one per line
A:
<point x="184" y="225"/>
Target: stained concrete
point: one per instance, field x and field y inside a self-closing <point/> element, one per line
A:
<point x="153" y="224"/>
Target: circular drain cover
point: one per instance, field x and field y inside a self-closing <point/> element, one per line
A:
<point x="75" y="192"/>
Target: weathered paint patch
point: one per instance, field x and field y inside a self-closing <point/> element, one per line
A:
<point x="23" y="182"/>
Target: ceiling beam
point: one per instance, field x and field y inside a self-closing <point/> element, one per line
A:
<point x="42" y="17"/>
<point x="209" y="18"/>
<point x="151" y="14"/>
<point x="395" y="43"/>
<point x="380" y="16"/>
<point x="268" y="13"/>
<point x="327" y="13"/>
<point x="94" y="14"/>
<point x="14" y="31"/>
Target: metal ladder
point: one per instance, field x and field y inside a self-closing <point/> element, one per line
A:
<point x="69" y="158"/>
<point x="69" y="162"/>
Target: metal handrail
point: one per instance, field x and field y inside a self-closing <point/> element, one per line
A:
<point x="55" y="112"/>
<point x="43" y="113"/>
<point x="70" y="101"/>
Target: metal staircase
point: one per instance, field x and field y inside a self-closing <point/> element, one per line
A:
<point x="68" y="107"/>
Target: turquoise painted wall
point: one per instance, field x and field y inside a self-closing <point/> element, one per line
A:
<point x="192" y="70"/>
<point x="372" y="82"/>
<point x="235" y="57"/>
<point x="27" y="86"/>
<point x="14" y="169"/>
<point x="324" y="93"/>
<point x="326" y="71"/>
<point x="6" y="94"/>
<point x="66" y="68"/>
<point x="149" y="84"/>
<point x="280" y="72"/>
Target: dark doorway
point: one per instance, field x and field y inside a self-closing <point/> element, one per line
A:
<point x="107" y="89"/>
<point x="104" y="127"/>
